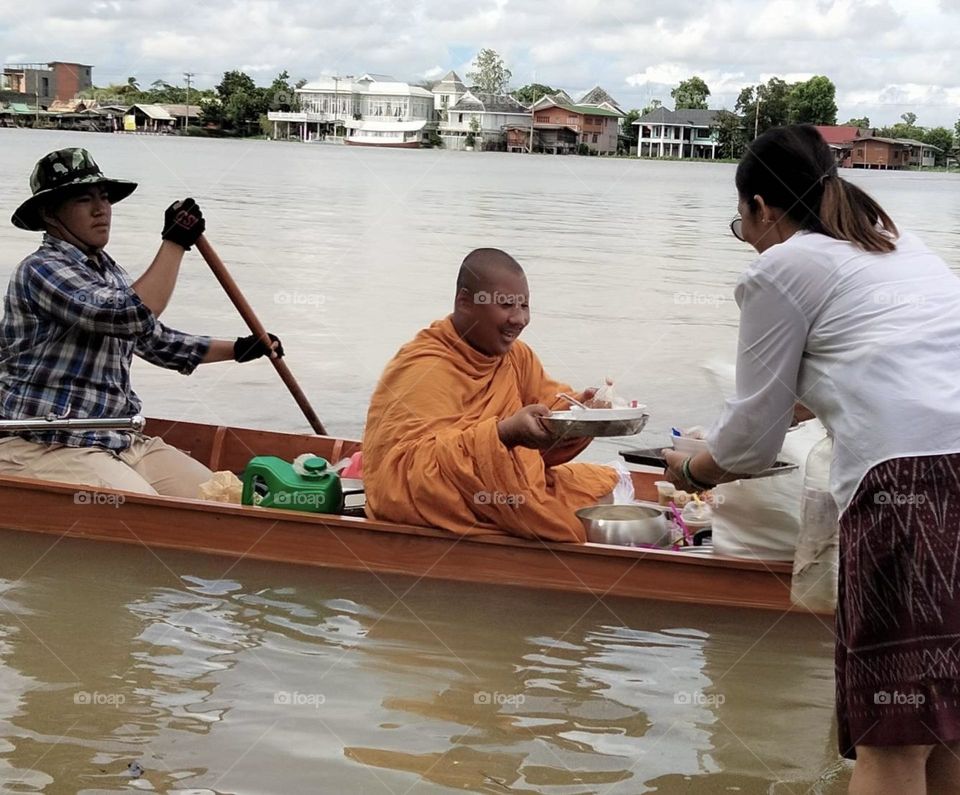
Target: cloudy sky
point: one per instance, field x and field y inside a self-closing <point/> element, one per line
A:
<point x="887" y="57"/>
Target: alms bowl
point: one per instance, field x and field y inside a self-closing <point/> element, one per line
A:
<point x="577" y="423"/>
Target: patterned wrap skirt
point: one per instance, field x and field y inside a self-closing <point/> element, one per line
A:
<point x="898" y="608"/>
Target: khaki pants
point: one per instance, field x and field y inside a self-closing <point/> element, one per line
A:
<point x="148" y="466"/>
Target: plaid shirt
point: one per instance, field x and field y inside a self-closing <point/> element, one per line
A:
<point x="71" y="325"/>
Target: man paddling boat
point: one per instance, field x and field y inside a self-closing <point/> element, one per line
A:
<point x="73" y="320"/>
<point x="453" y="437"/>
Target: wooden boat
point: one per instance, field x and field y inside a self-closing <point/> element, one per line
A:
<point x="361" y="544"/>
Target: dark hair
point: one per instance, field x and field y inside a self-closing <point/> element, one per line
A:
<point x="794" y="170"/>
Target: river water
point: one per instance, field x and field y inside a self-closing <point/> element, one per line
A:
<point x="224" y="677"/>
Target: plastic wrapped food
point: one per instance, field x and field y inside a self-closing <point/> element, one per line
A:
<point x="222" y="487"/>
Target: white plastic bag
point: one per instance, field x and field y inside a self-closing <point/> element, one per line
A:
<point x="623" y="492"/>
<point x="761" y="518"/>
<point x="606" y="397"/>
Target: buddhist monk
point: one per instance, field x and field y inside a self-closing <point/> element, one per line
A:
<point x="453" y="436"/>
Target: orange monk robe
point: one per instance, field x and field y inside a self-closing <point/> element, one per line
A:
<point x="432" y="455"/>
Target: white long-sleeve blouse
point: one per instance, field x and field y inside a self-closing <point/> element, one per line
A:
<point x="869" y="342"/>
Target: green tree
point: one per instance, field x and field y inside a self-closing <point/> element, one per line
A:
<point x="731" y="135"/>
<point x="813" y="102"/>
<point x="863" y="123"/>
<point x="691" y="93"/>
<point x="532" y="92"/>
<point x="239" y="104"/>
<point x="764" y="106"/>
<point x="489" y="75"/>
<point x="629" y="134"/>
<point x="654" y="104"/>
<point x="281" y="94"/>
<point x="942" y="138"/>
<point x="957" y="129"/>
<point x="904" y="129"/>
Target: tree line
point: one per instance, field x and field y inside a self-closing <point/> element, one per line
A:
<point x="238" y="106"/>
<point x="758" y="107"/>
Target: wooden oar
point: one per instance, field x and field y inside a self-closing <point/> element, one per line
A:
<point x="254" y="324"/>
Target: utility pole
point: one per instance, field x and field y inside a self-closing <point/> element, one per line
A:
<point x="756" y="123"/>
<point x="533" y="117"/>
<point x="186" y="120"/>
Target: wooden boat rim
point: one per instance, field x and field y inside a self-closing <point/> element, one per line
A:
<point x="332" y="521"/>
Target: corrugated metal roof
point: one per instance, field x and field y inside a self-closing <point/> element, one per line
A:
<point x="175" y="109"/>
<point x="833" y="134"/>
<point x="155" y="112"/>
<point x="583" y="110"/>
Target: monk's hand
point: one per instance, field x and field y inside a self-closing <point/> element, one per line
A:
<point x="524" y="428"/>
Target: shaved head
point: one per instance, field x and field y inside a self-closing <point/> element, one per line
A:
<point x="492" y="306"/>
<point x="483" y="267"/>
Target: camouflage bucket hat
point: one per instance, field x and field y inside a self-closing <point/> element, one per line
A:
<point x="58" y="172"/>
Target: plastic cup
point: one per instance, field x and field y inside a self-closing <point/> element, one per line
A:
<point x="665" y="491"/>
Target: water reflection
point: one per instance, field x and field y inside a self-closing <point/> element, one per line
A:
<point x="569" y="703"/>
<point x="250" y="677"/>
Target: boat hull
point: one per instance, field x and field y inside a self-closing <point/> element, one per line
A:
<point x="366" y="545"/>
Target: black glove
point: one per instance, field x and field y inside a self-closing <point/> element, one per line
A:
<point x="246" y="349"/>
<point x="183" y="223"/>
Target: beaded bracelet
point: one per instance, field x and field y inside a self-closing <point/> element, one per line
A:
<point x="688" y="476"/>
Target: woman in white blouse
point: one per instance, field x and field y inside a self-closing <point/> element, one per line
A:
<point x="860" y="323"/>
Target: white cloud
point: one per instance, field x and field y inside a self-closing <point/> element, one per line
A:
<point x="886" y="57"/>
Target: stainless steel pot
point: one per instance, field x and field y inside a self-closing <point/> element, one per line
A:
<point x="627" y="525"/>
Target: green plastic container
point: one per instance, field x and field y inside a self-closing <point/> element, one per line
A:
<point x="271" y="482"/>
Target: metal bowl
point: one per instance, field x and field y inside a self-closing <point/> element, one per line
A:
<point x="577" y="423"/>
<point x="626" y="525"/>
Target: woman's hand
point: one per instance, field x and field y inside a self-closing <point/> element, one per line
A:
<point x="702" y="468"/>
<point x="674" y="468"/>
